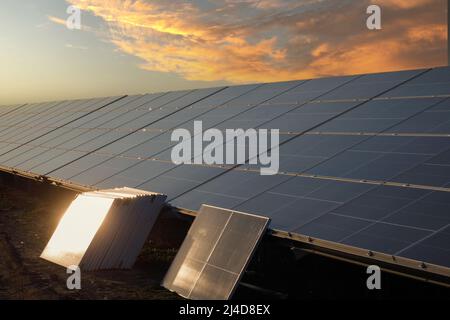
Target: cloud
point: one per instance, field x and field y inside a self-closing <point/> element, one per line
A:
<point x="270" y="40"/>
<point x="72" y="46"/>
<point x="403" y="4"/>
<point x="63" y="22"/>
<point x="57" y="20"/>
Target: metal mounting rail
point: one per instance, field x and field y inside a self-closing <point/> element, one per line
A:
<point x="418" y="270"/>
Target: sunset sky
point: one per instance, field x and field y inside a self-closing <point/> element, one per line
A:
<point x="140" y="46"/>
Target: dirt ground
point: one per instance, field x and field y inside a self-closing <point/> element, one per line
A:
<point x="26" y="224"/>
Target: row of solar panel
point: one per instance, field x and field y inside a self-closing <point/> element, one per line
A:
<point x="91" y="141"/>
<point x="116" y="142"/>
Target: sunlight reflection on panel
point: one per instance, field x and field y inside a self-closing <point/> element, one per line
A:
<point x="215" y="253"/>
<point x="104" y="229"/>
<point x="76" y="230"/>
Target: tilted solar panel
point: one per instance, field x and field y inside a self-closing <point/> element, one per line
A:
<point x="435" y="82"/>
<point x="232" y="108"/>
<point x="364" y="160"/>
<point x="214" y="254"/>
<point x="40" y="146"/>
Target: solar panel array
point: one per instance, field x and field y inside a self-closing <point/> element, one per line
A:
<point x="364" y="160"/>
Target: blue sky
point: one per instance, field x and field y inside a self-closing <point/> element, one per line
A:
<point x="139" y="46"/>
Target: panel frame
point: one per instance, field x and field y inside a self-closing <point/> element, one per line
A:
<point x="257" y="239"/>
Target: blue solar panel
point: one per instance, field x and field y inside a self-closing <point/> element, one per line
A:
<point x="123" y="126"/>
<point x="231" y="104"/>
<point x="432" y="83"/>
<point x="379" y="115"/>
<point x="364" y="160"/>
<point x="44" y="123"/>
<point x="435" y="120"/>
<point x="59" y="136"/>
<point x="370" y="86"/>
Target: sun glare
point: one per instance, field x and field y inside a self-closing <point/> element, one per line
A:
<point x="76" y="230"/>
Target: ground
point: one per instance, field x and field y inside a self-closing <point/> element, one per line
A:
<point x="27" y="221"/>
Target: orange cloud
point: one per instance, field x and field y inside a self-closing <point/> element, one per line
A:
<point x="404" y="4"/>
<point x="271" y="40"/>
<point x="57" y="20"/>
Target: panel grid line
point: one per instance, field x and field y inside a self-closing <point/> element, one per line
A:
<point x="380" y="94"/>
<point x="109" y="143"/>
<point x="67" y="123"/>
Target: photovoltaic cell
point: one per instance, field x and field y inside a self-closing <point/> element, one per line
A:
<point x="57" y="112"/>
<point x="377" y="116"/>
<point x="112" y="228"/>
<point x="384" y="128"/>
<point x="22" y="117"/>
<point x="386" y="238"/>
<point x="369" y="86"/>
<point x="8" y="109"/>
<point x="311" y="89"/>
<point x="68" y="141"/>
<point x="57" y="121"/>
<point x="214" y="254"/>
<point x="154" y="113"/>
<point x="434" y="120"/>
<point x="307" y="151"/>
<point x="332" y="227"/>
<point x="434" y="249"/>
<point x="432" y="83"/>
<point x="47" y="141"/>
<point x="236" y="106"/>
<point x="178" y="179"/>
<point x="315" y="119"/>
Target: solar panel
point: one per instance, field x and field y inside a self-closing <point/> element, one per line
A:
<point x="7" y="109"/>
<point x="249" y="113"/>
<point x="336" y="166"/>
<point x="434" y="249"/>
<point x="66" y="136"/>
<point x="311" y="89"/>
<point x="69" y="112"/>
<point x="369" y="86"/>
<point x="214" y="254"/>
<point x="18" y="123"/>
<point x="433" y="83"/>
<point x="364" y="160"/>
<point x="386" y="238"/>
<point x="435" y="171"/>
<point x="153" y="114"/>
<point x="367" y="165"/>
<point x="433" y="120"/>
<point x="23" y="116"/>
<point x="104" y="229"/>
<point x="179" y="179"/>
<point x="83" y="135"/>
<point x="28" y="134"/>
<point x="46" y="142"/>
<point x="379" y="115"/>
<point x="306" y="117"/>
<point x="307" y="151"/>
<point x="342" y="212"/>
<point x="234" y="104"/>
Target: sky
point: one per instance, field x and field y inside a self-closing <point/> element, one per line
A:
<point x="143" y="46"/>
